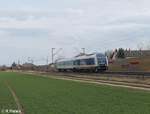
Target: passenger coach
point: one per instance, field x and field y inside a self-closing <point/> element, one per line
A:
<point x="89" y="62"/>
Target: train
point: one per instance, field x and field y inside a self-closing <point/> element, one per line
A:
<point x="95" y="62"/>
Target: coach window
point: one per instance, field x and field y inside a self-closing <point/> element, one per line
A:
<point x="83" y="62"/>
<point x="77" y="62"/>
<point x="90" y="61"/>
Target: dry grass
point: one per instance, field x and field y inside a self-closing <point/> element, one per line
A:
<point x="124" y="65"/>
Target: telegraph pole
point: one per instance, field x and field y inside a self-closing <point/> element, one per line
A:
<point x="47" y="60"/>
<point x="83" y="49"/>
<point x="53" y="55"/>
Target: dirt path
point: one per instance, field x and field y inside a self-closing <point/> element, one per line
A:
<point x="20" y="107"/>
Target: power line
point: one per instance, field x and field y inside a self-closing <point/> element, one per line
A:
<point x="54" y="54"/>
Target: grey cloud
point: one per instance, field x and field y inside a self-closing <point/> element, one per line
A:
<point x="94" y="24"/>
<point x="22" y="15"/>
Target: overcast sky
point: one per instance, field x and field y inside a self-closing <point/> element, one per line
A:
<point x="30" y="28"/>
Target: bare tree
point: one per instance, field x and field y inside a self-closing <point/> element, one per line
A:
<point x="140" y="46"/>
<point x="109" y="53"/>
<point x="148" y="46"/>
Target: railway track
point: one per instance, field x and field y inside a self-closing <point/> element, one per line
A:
<point x="106" y="82"/>
<point x="110" y="74"/>
<point x="130" y="73"/>
<point x="122" y="80"/>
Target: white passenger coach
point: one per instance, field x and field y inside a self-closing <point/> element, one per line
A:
<point x="89" y="62"/>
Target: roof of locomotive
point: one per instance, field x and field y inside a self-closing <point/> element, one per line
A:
<point x="90" y="55"/>
<point x="85" y="56"/>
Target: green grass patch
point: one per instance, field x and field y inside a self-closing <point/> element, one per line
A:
<point x="40" y="95"/>
<point x="6" y="99"/>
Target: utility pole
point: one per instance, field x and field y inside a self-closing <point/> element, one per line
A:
<point x="83" y="49"/>
<point x="47" y="60"/>
<point x="47" y="63"/>
<point x="53" y="55"/>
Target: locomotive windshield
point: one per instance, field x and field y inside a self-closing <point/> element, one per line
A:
<point x="101" y="58"/>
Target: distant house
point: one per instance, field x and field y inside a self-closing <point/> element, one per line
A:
<point x="137" y="53"/>
<point x="28" y="66"/>
<point x="42" y="67"/>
